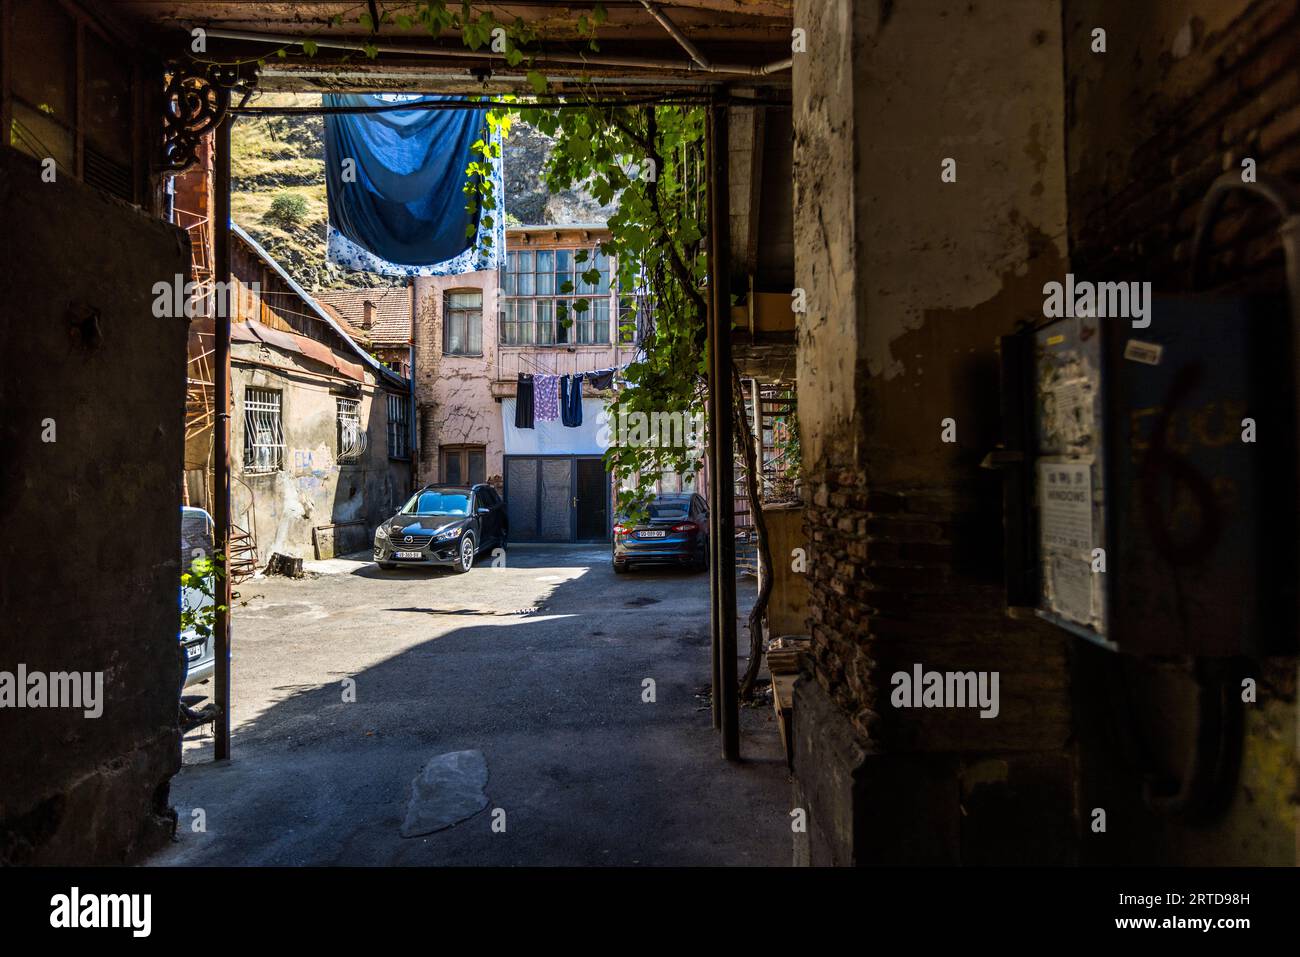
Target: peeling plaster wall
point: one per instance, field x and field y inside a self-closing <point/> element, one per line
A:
<point x="312" y="488"/>
<point x="454" y="393"/>
<point x="825" y="232"/>
<point x="909" y="281"/>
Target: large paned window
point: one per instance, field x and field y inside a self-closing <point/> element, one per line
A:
<point x="546" y="298"/>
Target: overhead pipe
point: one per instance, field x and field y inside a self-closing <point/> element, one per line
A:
<point x="700" y="60"/>
<point x="649" y="63"/>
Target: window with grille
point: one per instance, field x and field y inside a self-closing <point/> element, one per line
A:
<point x="548" y="298"/>
<point x="351" y="434"/>
<point x="399" y="427"/>
<point x="263" y="431"/>
<point x="462" y="323"/>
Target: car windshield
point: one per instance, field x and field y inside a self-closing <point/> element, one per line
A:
<point x="669" y="509"/>
<point x="437" y="503"/>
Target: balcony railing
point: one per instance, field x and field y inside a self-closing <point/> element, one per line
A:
<point x="558" y="360"/>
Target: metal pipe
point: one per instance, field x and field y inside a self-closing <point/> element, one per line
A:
<point x="1283" y="197"/>
<point x="682" y="39"/>
<point x="221" y="435"/>
<point x="648" y="63"/>
<point x="723" y="512"/>
<point x="711" y="459"/>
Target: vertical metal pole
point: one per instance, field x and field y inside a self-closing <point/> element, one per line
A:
<point x="717" y="503"/>
<point x="724" y="523"/>
<point x="224" y="303"/>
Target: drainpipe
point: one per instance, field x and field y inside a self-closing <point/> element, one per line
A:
<point x="412" y="425"/>
<point x="221" y="437"/>
<point x="722" y="517"/>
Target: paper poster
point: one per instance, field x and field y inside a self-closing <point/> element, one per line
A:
<point x="1065" y="506"/>
<point x="1070" y="589"/>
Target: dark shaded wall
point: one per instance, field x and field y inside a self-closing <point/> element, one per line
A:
<point x="1186" y="90"/>
<point x="909" y="281"/>
<point x="90" y="557"/>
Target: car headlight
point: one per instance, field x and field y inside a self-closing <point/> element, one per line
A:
<point x="382" y="532"/>
<point x="448" y="535"/>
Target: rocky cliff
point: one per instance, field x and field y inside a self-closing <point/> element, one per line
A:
<point x="284" y="157"/>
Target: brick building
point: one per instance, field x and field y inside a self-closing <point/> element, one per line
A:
<point x="474" y="334"/>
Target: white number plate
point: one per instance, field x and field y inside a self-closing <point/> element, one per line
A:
<point x="410" y="554"/>
<point x="193" y="652"/>
<point x="651" y="534"/>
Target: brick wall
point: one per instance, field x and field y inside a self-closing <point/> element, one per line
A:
<point x="1186" y="90"/>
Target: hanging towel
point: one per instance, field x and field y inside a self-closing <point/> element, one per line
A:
<point x="546" y="398"/>
<point x="402" y="212"/>
<point x="601" y="379"/>
<point x="524" y="402"/>
<point x="571" y="401"/>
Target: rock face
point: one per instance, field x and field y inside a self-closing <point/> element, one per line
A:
<point x="527" y="198"/>
<point x="447" y="791"/>
<point x="274" y="155"/>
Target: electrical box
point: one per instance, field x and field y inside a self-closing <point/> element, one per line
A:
<point x="1151" y="493"/>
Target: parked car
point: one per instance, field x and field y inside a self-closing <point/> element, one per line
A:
<point x="676" y="531"/>
<point x="196" y="542"/>
<point x="443" y="525"/>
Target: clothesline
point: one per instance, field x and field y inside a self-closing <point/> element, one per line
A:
<point x="545" y="397"/>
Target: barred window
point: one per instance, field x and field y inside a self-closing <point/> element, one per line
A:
<point x="546" y="298"/>
<point x="351" y="434"/>
<point x="263" y="431"/>
<point x="399" y="427"/>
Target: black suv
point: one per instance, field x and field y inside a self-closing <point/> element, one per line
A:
<point x="443" y="525"/>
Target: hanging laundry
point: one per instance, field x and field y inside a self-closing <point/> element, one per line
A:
<point x="571" y="401"/>
<point x="524" y="402"/>
<point x="402" y="211"/>
<point x="546" y="398"/>
<point x="601" y="379"/>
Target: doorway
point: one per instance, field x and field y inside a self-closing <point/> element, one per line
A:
<point x="557" y="498"/>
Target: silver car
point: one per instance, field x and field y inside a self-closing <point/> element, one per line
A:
<point x="196" y="542"/>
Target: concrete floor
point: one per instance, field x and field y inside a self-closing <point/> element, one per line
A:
<point x="540" y="665"/>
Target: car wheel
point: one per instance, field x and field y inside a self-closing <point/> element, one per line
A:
<point x="465" y="557"/>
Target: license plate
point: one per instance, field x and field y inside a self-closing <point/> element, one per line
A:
<point x="652" y="534"/>
<point x="193" y="652"/>
<point x="410" y="554"/>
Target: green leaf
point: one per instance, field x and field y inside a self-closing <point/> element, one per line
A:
<point x="537" y="82"/>
<point x="309" y="47"/>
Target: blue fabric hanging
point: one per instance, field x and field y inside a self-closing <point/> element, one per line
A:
<point x="405" y="212"/>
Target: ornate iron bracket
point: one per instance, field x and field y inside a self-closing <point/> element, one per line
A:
<point x="194" y="102"/>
